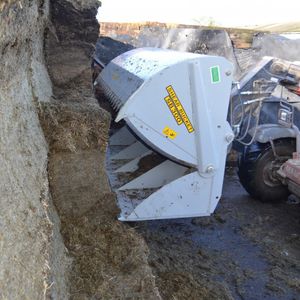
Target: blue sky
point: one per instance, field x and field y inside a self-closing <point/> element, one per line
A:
<point x="223" y="13"/>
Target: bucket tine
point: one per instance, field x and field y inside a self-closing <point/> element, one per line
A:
<point x="133" y="165"/>
<point x="122" y="137"/>
<point x="131" y="151"/>
<point x="156" y="177"/>
<point x="188" y="196"/>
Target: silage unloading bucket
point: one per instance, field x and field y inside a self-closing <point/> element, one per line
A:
<point x="175" y="104"/>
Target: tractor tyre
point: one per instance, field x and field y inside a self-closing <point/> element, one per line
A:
<point x="258" y="166"/>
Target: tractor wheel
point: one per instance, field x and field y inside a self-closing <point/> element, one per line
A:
<point x="258" y="169"/>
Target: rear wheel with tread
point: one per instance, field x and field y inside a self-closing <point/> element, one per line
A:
<point x="258" y="168"/>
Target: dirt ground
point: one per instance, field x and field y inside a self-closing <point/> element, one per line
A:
<point x="245" y="250"/>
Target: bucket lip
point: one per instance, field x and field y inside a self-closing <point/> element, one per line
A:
<point x="153" y="59"/>
<point x="146" y="62"/>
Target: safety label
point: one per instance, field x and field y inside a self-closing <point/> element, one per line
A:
<point x="177" y="110"/>
<point x="173" y="110"/>
<point x="170" y="133"/>
<point x="215" y="74"/>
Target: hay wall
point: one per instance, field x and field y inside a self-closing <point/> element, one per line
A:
<point x="53" y="138"/>
<point x="110" y="260"/>
<point x="33" y="260"/>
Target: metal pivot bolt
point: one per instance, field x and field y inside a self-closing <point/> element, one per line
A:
<point x="210" y="169"/>
<point x="229" y="138"/>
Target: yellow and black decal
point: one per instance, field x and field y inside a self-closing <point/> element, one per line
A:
<point x="173" y="110"/>
<point x="177" y="110"/>
<point x="170" y="133"/>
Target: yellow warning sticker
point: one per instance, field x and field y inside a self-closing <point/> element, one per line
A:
<point x="173" y="110"/>
<point x="170" y="133"/>
<point x="177" y="110"/>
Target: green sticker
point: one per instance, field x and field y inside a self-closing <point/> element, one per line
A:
<point x="215" y="74"/>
